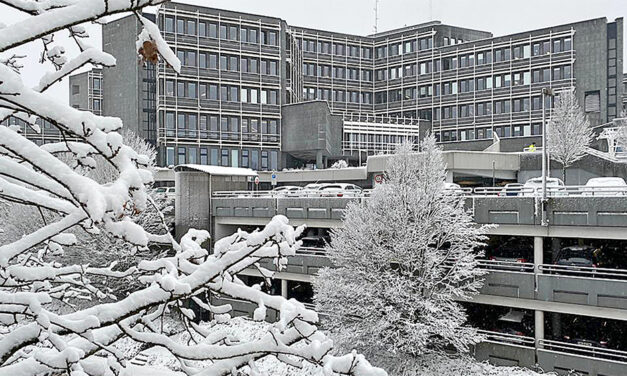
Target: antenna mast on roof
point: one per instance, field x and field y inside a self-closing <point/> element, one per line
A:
<point x="376" y="16"/>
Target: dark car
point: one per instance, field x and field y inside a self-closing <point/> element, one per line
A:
<point x="513" y="251"/>
<point x="579" y="255"/>
<point x="515" y="323"/>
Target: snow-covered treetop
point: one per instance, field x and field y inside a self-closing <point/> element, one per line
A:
<point x="568" y="132"/>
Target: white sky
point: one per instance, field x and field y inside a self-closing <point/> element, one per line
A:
<point x="501" y="17"/>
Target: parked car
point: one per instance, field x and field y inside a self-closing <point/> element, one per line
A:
<point x="579" y="255"/>
<point x="168" y="192"/>
<point x="453" y="187"/>
<point x="554" y="186"/>
<point x="287" y="191"/>
<point x="607" y="186"/>
<point x="515" y="323"/>
<point x="511" y="189"/>
<point x="587" y="333"/>
<point x="514" y="250"/>
<point x="311" y="189"/>
<point x="339" y="190"/>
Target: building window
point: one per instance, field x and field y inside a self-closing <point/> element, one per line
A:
<point x="191" y="27"/>
<point x="203" y="156"/>
<point x="214" y="157"/>
<point x="224" y="157"/>
<point x="96" y="105"/>
<point x="592" y="101"/>
<point x="213" y="30"/>
<point x="169" y="156"/>
<point x="244" y="158"/>
<point x="169" y="24"/>
<point x="96" y="83"/>
<point x="181" y="155"/>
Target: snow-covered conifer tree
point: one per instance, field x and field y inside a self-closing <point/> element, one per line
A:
<point x="400" y="263"/>
<point x="38" y="339"/>
<point x="568" y="132"/>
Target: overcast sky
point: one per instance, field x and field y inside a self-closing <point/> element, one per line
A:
<point x="501" y="17"/>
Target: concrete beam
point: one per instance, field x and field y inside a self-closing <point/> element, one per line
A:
<point x="254" y="221"/>
<point x="538" y="305"/>
<point x="584" y="232"/>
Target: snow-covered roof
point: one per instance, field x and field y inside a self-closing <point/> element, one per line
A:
<point x="217" y="170"/>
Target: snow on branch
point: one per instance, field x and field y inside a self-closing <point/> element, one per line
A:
<point x="60" y="311"/>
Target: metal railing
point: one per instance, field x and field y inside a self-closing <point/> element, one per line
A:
<point x="510" y="266"/>
<point x="583" y="271"/>
<point x="561" y="191"/>
<point x="311" y="251"/>
<point x="583" y="350"/>
<point x="506" y="338"/>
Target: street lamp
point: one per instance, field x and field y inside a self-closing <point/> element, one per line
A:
<point x="546" y="92"/>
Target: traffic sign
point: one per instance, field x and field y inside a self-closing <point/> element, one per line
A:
<point x="378" y="178"/>
<point x="274" y="178"/>
<point x="256" y="180"/>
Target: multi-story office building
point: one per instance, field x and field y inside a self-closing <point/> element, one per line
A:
<point x="225" y="106"/>
<point x="86" y="91"/>
<point x="129" y="86"/>
<point x="242" y="72"/>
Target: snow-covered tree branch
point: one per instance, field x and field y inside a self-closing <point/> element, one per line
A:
<point x="568" y="132"/>
<point x="400" y="262"/>
<point x="95" y="182"/>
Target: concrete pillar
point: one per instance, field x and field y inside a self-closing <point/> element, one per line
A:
<point x="539" y="326"/>
<point x="556" y="325"/>
<point x="449" y="176"/>
<point x="556" y="245"/>
<point x="538" y="253"/>
<point x="319" y="160"/>
<point x="284" y="288"/>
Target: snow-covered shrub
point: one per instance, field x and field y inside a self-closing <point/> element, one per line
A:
<point x="340" y="164"/>
<point x="400" y="262"/>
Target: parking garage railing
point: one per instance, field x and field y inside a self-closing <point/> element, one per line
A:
<point x="507" y="338"/>
<point x="505" y="192"/>
<point x="511" y="266"/>
<point x="583" y="349"/>
<point x="584" y="271"/>
<point x="580" y="348"/>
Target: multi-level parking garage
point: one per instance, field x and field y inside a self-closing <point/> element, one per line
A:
<point x="555" y="295"/>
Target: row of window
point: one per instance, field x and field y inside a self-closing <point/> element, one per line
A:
<point x="226" y="62"/>
<point x="478" y="84"/>
<point x="340" y="49"/>
<point x="332" y="71"/>
<point x="503" y="106"/>
<point x="406" y="47"/>
<point x="517" y="130"/>
<point x="311" y="93"/>
<point x="407" y="70"/>
<point x="215" y="127"/>
<point x="249" y="158"/>
<point x="223" y="31"/>
<point x="343" y="49"/>
<point x="224" y="92"/>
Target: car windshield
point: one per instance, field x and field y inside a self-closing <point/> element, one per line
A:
<point x="331" y="187"/>
<point x="577" y="254"/>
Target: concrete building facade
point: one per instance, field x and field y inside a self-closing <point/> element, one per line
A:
<point x="242" y="73"/>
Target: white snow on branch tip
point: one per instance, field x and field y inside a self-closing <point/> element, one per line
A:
<point x="151" y="33"/>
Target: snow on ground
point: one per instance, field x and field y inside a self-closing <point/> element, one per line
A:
<point x="161" y="363"/>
